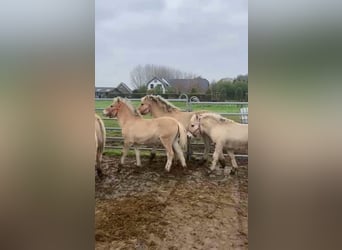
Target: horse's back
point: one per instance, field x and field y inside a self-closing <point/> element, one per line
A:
<point x="232" y="135"/>
<point x="167" y="124"/>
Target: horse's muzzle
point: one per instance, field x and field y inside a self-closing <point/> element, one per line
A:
<point x="144" y="112"/>
<point x="189" y="134"/>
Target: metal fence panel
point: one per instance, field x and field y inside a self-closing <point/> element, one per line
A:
<point x="243" y="119"/>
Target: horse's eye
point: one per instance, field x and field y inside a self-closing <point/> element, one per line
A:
<point x="141" y="104"/>
<point x="111" y="106"/>
<point x="192" y="125"/>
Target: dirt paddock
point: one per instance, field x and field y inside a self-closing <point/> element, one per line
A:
<point x="148" y="208"/>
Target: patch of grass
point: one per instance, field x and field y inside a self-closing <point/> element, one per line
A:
<point x="218" y="108"/>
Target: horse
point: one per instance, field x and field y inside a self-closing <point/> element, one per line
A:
<point x="137" y="131"/>
<point x="159" y="107"/>
<point x="225" y="133"/>
<point x="100" y="141"/>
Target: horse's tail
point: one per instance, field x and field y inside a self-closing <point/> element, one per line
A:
<point x="103" y="133"/>
<point x="182" y="136"/>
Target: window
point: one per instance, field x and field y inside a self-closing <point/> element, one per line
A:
<point x="151" y="86"/>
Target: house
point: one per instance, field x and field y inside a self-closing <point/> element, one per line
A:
<point x="110" y="92"/>
<point x="105" y="92"/>
<point x="198" y="85"/>
<point x="156" y="82"/>
<point x="124" y="89"/>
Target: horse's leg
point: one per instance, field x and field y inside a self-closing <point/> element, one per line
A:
<point x="137" y="156"/>
<point x="98" y="163"/>
<point x="218" y="151"/>
<point x="206" y="141"/>
<point x="232" y="158"/>
<point x="169" y="152"/>
<point x="98" y="169"/>
<point x="179" y="153"/>
<point x="124" y="154"/>
<point x="189" y="148"/>
<point x="153" y="153"/>
<point x="222" y="160"/>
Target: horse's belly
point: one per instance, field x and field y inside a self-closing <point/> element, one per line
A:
<point x="146" y="140"/>
<point x="236" y="144"/>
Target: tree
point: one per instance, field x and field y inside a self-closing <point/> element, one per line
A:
<point x="193" y="91"/>
<point x="141" y="89"/>
<point x="225" y="90"/>
<point x="140" y="75"/>
<point x="158" y="90"/>
<point x="137" y="77"/>
<point x="238" y="94"/>
<point x="171" y="90"/>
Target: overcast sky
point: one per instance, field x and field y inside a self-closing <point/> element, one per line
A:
<point x="205" y="37"/>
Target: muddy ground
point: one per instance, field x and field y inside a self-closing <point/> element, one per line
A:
<point x="148" y="208"/>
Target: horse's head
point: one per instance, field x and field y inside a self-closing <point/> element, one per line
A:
<point x="194" y="126"/>
<point x="112" y="110"/>
<point x="145" y="105"/>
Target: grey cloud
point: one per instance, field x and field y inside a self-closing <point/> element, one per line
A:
<point x="208" y="38"/>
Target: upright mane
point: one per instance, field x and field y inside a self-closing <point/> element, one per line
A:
<point x="128" y="104"/>
<point x="216" y="117"/>
<point x="166" y="105"/>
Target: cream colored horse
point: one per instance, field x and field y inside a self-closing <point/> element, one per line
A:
<point x="223" y="132"/>
<point x="137" y="131"/>
<point x="100" y="141"/>
<point x="159" y="107"/>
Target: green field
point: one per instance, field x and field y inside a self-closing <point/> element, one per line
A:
<point x="217" y="108"/>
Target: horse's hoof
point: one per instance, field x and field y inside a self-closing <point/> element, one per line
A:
<point x="226" y="172"/>
<point x="202" y="161"/>
<point x="99" y="173"/>
<point x="209" y="172"/>
<point x="119" y="167"/>
<point x="222" y="163"/>
<point x="233" y="171"/>
<point x="152" y="156"/>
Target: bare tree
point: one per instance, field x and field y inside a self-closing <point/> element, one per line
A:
<point x="140" y="75"/>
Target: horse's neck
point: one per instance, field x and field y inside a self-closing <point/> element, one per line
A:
<point x="206" y="125"/>
<point x="157" y="111"/>
<point x="125" y="115"/>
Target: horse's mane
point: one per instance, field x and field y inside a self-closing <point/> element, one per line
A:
<point x="216" y="117"/>
<point x="128" y="104"/>
<point x="166" y="105"/>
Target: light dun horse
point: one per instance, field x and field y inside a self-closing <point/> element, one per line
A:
<point x="159" y="107"/>
<point x="100" y="141"/>
<point x="223" y="132"/>
<point x="137" y="131"/>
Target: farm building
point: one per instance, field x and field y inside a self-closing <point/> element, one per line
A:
<point x="110" y="92"/>
<point x="157" y="82"/>
<point x="198" y="85"/>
